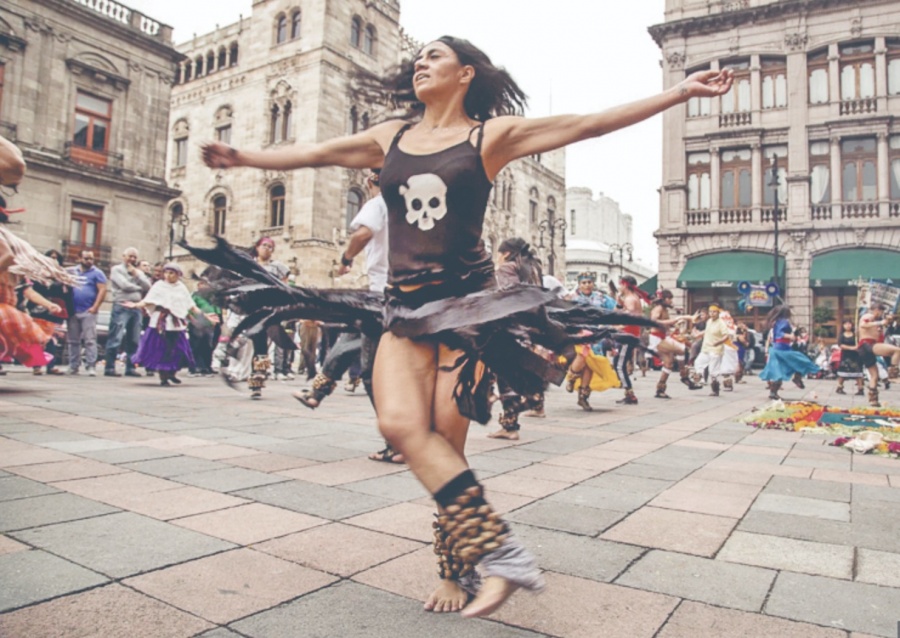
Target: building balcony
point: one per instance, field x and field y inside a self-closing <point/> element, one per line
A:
<point x="128" y="17"/>
<point x="820" y="212"/>
<point x="736" y="216"/>
<point x="767" y="215"/>
<point x="863" y="106"/>
<point x="699" y="218"/>
<point x="727" y="120"/>
<point x="859" y="210"/>
<point x="104" y="160"/>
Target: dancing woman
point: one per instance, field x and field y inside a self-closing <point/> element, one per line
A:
<point x="437" y="172"/>
<point x="784" y="363"/>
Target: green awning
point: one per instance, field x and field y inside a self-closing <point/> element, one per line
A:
<point x="650" y="285"/>
<point x="728" y="269"/>
<point x="845" y="267"/>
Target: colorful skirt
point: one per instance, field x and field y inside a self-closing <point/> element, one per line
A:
<point x="604" y="376"/>
<point x="784" y="364"/>
<point x="22" y="338"/>
<point x="169" y="351"/>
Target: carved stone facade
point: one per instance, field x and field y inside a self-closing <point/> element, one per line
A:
<point x="818" y="85"/>
<point x="282" y="75"/>
<point x="85" y="95"/>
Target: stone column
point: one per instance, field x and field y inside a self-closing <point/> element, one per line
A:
<point x="714" y="179"/>
<point x="837" y="186"/>
<point x="834" y="80"/>
<point x="758" y="171"/>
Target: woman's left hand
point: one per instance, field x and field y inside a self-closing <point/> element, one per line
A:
<point x="706" y="83"/>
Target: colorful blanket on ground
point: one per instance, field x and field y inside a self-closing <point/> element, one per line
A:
<point x="881" y="425"/>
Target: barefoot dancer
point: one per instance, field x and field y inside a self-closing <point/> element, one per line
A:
<point x="871" y="346"/>
<point x="442" y="314"/>
<point x="666" y="346"/>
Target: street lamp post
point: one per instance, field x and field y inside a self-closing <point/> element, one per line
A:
<point x="621" y="248"/>
<point x="774" y="184"/>
<point x="180" y="219"/>
<point x="551" y="226"/>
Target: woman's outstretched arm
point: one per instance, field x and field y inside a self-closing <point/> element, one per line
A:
<point x="509" y="138"/>
<point x="362" y="150"/>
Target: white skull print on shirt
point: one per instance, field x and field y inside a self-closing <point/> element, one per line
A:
<point x="426" y="200"/>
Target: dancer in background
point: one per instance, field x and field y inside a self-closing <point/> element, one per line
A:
<point x="850" y="366"/>
<point x="164" y="345"/>
<point x="872" y="346"/>
<point x="784" y="363"/>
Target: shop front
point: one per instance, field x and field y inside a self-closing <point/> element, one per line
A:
<point x="834" y="278"/>
<point x="714" y="278"/>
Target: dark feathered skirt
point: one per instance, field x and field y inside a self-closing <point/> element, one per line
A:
<point x="495" y="327"/>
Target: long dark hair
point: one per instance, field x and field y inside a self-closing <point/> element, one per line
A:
<point x="776" y="313"/>
<point x="528" y="266"/>
<point x="492" y="92"/>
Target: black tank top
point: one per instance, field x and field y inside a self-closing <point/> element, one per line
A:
<point x="436" y="204"/>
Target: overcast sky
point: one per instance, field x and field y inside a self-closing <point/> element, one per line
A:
<point x="572" y="56"/>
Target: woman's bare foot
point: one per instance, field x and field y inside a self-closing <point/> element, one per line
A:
<point x="448" y="596"/>
<point x="493" y="593"/>
<point x="504" y="434"/>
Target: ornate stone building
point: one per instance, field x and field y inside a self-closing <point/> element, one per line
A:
<point x="84" y="92"/>
<point x="817" y="85"/>
<point x="282" y="75"/>
<point x="599" y="240"/>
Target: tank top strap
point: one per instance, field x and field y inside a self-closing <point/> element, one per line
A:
<point x="480" y="138"/>
<point x="399" y="134"/>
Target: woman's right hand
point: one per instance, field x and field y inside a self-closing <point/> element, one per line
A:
<point x="219" y="155"/>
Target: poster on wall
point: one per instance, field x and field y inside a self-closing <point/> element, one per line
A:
<point x="876" y="291"/>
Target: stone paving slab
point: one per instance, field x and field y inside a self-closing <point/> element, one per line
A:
<point x="248" y="524"/>
<point x="229" y="479"/>
<point x="122" y="544"/>
<point x="701" y="579"/>
<point x="566" y="517"/>
<point x="693" y="620"/>
<point x="837" y="603"/>
<point x="26" y="579"/>
<point x="878" y="568"/>
<point x="173" y="466"/>
<point x="45" y="510"/>
<point x="577" y="555"/>
<point x="394" y="487"/>
<point x="230" y="585"/>
<point x="66" y="470"/>
<point x="89" y="615"/>
<point x="802" y="506"/>
<point x="646" y="470"/>
<point x="128" y="454"/>
<point x="581" y="608"/>
<point x="347" y="610"/>
<point x="686" y="532"/>
<point x="339" y="549"/>
<point x="807" y="488"/>
<point x="789" y="554"/>
<point x="16" y="487"/>
<point x="317" y="500"/>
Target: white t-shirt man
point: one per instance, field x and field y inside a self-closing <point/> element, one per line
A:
<point x="373" y="215"/>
